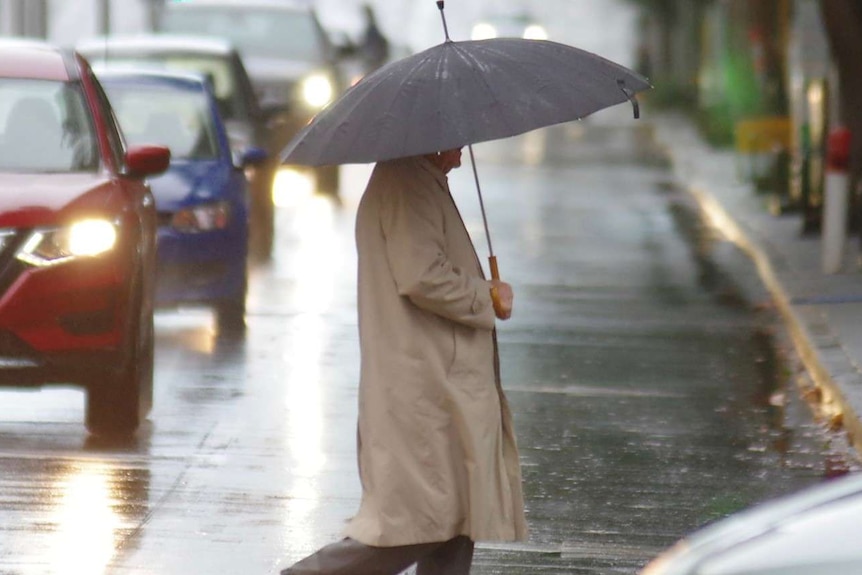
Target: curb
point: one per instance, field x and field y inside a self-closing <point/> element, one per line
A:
<point x="832" y="402"/>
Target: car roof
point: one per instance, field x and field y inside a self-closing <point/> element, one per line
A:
<point x="185" y="80"/>
<point x="156" y="43"/>
<point x="36" y="59"/>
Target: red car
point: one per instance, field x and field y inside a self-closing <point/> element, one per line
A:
<point x="77" y="238"/>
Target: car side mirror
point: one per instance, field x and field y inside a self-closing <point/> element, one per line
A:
<point x="143" y="161"/>
<point x="253" y="156"/>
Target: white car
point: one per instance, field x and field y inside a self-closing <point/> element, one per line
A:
<point x="290" y="58"/>
<point x="817" y="531"/>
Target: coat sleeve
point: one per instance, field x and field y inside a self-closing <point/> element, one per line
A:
<point x="412" y="222"/>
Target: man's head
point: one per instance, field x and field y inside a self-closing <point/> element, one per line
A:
<point x="446" y="160"/>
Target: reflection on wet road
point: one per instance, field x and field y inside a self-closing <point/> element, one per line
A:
<point x="647" y="396"/>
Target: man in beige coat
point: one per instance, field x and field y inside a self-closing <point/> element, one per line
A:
<point x="437" y="455"/>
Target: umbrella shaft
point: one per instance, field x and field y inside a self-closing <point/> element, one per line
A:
<point x="481" y="201"/>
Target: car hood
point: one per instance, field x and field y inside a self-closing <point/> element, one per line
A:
<point x="813" y="532"/>
<point x="273" y="69"/>
<point x="28" y="200"/>
<point x="190" y="182"/>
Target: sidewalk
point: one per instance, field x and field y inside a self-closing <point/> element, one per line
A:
<point x="823" y="312"/>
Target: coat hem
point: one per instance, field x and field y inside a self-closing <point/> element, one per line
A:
<point x="359" y="534"/>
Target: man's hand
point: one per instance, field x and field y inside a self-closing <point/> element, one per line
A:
<point x="503" y="298"/>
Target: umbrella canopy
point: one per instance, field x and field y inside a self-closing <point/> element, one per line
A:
<point x="461" y="93"/>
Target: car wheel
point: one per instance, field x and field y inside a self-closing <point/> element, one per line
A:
<point x="230" y="313"/>
<point x="121" y="399"/>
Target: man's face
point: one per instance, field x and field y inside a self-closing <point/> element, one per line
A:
<point x="450" y="159"/>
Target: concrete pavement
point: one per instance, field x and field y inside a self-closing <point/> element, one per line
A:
<point x="823" y="312"/>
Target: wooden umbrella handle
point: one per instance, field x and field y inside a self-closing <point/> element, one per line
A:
<point x="495" y="274"/>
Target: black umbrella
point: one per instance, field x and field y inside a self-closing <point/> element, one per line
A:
<point x="460" y="93"/>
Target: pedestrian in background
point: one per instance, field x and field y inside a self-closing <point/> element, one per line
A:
<point x="374" y="47"/>
<point x="438" y="460"/>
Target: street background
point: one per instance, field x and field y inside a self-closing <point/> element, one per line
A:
<point x="607" y="28"/>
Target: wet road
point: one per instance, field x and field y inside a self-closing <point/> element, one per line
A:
<point x="647" y="395"/>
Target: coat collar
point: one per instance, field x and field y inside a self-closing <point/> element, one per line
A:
<point x="436" y="172"/>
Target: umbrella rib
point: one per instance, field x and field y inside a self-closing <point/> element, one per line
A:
<point x="512" y="62"/>
<point x="473" y="64"/>
<point x="407" y="76"/>
<point x="368" y="91"/>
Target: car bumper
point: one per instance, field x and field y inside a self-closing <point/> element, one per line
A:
<point x="57" y="323"/>
<point x="200" y="268"/>
<point x="22" y="365"/>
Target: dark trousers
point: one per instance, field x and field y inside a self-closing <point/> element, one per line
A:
<point x="350" y="557"/>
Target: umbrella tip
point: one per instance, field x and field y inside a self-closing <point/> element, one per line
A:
<point x="440" y="6"/>
<point x="631" y="98"/>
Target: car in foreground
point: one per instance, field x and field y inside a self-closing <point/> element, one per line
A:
<point x="248" y="124"/>
<point x="202" y="200"/>
<point x="77" y="238"/>
<point x="813" y="532"/>
<point x="290" y="58"/>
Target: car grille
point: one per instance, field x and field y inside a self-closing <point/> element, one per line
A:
<point x="282" y="92"/>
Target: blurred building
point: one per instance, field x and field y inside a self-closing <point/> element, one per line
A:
<point x="24" y="18"/>
<point x="65" y="22"/>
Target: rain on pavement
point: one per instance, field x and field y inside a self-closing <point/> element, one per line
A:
<point x="647" y="396"/>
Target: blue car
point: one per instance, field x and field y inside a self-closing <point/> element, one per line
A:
<point x="202" y="200"/>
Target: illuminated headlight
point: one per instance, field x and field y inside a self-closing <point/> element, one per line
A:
<point x="86" y="238"/>
<point x="204" y="218"/>
<point x="483" y="31"/>
<point x="317" y="90"/>
<point x="535" y="32"/>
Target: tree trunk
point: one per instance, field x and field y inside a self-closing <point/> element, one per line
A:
<point x="843" y="22"/>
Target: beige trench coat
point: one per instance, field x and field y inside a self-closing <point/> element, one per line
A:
<point x="437" y="452"/>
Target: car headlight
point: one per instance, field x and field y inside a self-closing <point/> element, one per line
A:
<point x="85" y="238"/>
<point x="317" y="90"/>
<point x="535" y="32"/>
<point x="483" y="31"/>
<point x="203" y="218"/>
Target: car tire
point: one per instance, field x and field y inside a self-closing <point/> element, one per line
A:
<point x="120" y="399"/>
<point x="230" y="313"/>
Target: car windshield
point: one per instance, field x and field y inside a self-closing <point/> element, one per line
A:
<point x="261" y="33"/>
<point x="45" y="127"/>
<point x="217" y="70"/>
<point x="178" y="119"/>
